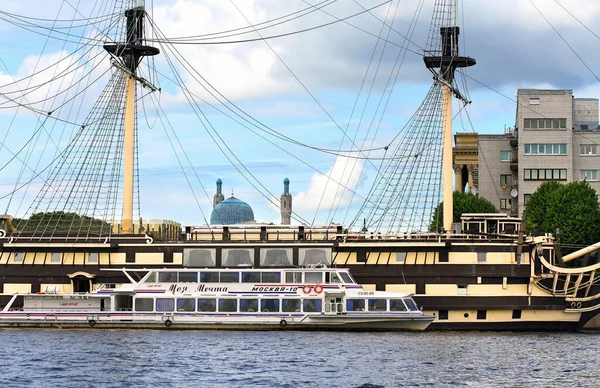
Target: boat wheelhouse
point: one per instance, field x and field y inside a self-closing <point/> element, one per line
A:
<point x="317" y="298"/>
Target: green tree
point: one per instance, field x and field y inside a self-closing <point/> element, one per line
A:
<point x="537" y="208"/>
<point x="60" y="222"/>
<point x="572" y="208"/>
<point x="462" y="203"/>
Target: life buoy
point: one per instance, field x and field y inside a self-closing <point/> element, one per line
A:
<point x="283" y="323"/>
<point x="307" y="289"/>
<point x="92" y="323"/>
<point x="318" y="288"/>
<point x="168" y="323"/>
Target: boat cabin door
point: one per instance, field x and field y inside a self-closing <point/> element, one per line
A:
<point x="333" y="303"/>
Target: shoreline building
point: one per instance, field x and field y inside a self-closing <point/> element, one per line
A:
<point x="556" y="138"/>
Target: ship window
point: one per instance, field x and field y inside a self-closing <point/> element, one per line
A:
<point x="400" y="257"/>
<point x="237" y="257"/>
<point x="377" y="305"/>
<point x="199" y="257"/>
<point x="334" y="278"/>
<point x="144" y="304"/>
<point x="516" y="314"/>
<point x="270" y="277"/>
<point x="481" y="314"/>
<point x="188" y="277"/>
<point x="19" y="257"/>
<point x="164" y="304"/>
<point x="412" y="306"/>
<point x="462" y="290"/>
<point x="230" y="277"/>
<point x="346" y="278"/>
<point x="185" y="304"/>
<point x="293" y="277"/>
<point x="397" y="305"/>
<point x="248" y="305"/>
<point x="307" y="256"/>
<point x="207" y="305"/>
<point x="209" y="277"/>
<point x="290" y="305"/>
<point x="355" y="305"/>
<point x="269" y="305"/>
<point x="443" y="314"/>
<point x="227" y="305"/>
<point x="92" y="257"/>
<point x="313" y="277"/>
<point x="311" y="305"/>
<point x="250" y="277"/>
<point x="276" y="257"/>
<point x="481" y="257"/>
<point x="151" y="278"/>
<point x="167" y="277"/>
<point x="55" y="258"/>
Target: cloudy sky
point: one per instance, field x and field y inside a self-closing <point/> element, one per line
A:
<point x="323" y="88"/>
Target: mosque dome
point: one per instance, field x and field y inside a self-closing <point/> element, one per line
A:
<point x="231" y="211"/>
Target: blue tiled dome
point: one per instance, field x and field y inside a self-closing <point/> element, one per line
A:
<point x="231" y="211"/>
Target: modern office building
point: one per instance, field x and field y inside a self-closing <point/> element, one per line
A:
<point x="555" y="137"/>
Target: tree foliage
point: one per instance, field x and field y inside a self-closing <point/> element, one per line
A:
<point x="60" y="222"/>
<point x="462" y="203"/>
<point x="571" y="208"/>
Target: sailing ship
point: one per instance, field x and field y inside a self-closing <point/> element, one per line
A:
<point x="482" y="274"/>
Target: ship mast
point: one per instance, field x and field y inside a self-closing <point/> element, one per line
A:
<point x="442" y="62"/>
<point x="127" y="57"/>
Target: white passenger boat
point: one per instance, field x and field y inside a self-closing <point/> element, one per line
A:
<point x="317" y="298"/>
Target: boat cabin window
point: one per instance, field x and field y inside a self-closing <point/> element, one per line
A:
<point x="167" y="277"/>
<point x="144" y="304"/>
<point x="199" y="257"/>
<point x="332" y="277"/>
<point x="209" y="277"/>
<point x="411" y="304"/>
<point x="164" y="304"/>
<point x="151" y="278"/>
<point x="293" y="277"/>
<point x="346" y="277"/>
<point x="19" y="257"/>
<point x="307" y="256"/>
<point x="93" y="257"/>
<point x="207" y="305"/>
<point x="400" y="257"/>
<point x="250" y="277"/>
<point x="270" y="277"/>
<point x="248" y="305"/>
<point x="229" y="277"/>
<point x="186" y="304"/>
<point x="397" y="305"/>
<point x="312" y="305"/>
<point x="313" y="277"/>
<point x="269" y="305"/>
<point x="237" y="257"/>
<point x="188" y="277"/>
<point x="355" y="305"/>
<point x="271" y="257"/>
<point x="377" y="305"/>
<point x="290" y="305"/>
<point x="227" y="305"/>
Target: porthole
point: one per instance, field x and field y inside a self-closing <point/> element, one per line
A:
<point x="466" y="315"/>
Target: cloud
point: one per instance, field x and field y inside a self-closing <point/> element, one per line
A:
<point x="333" y="189"/>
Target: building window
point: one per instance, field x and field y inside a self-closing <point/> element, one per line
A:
<point x="505" y="179"/>
<point x="587" y="149"/>
<point x="526" y="198"/>
<point x="534" y="101"/>
<point x="505" y="156"/>
<point x="589" y="175"/>
<point x="556" y="174"/>
<point x="545" y="123"/>
<point x="505" y="203"/>
<point x="545" y="149"/>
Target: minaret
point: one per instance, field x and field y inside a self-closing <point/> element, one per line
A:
<point x="219" y="196"/>
<point x="286" y="203"/>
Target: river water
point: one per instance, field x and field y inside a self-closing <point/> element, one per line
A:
<point x="115" y="358"/>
